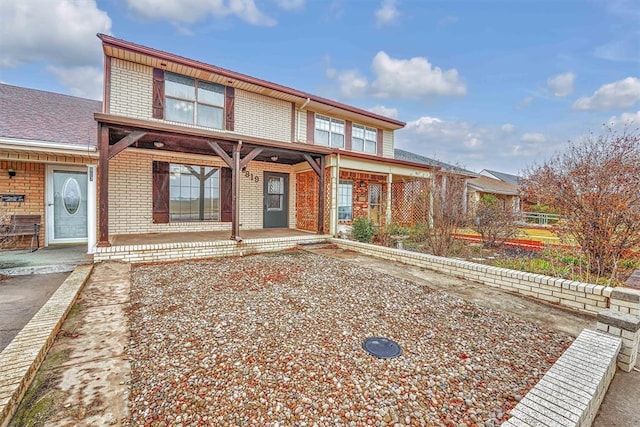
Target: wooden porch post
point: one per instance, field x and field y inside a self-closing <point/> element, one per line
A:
<point x="103" y="170"/>
<point x="389" y="188"/>
<point x="235" y="196"/>
<point x="321" y="196"/>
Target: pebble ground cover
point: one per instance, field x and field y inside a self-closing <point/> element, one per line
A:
<point x="276" y="340"/>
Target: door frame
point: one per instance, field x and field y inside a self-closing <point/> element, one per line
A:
<point x="90" y="170"/>
<point x="285" y="201"/>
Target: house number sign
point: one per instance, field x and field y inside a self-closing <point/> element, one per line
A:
<point x="13" y="198"/>
<point x="251" y="176"/>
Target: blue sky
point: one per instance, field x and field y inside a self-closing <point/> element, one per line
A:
<point x="483" y="84"/>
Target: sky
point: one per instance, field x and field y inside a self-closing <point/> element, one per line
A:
<point x="494" y="84"/>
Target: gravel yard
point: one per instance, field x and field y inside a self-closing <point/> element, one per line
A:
<point x="277" y="340"/>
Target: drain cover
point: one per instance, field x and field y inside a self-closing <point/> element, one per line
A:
<point x="382" y="348"/>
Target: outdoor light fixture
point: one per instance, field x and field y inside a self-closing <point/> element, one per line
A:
<point x="274" y="158"/>
<point x="11" y="173"/>
<point x="158" y="144"/>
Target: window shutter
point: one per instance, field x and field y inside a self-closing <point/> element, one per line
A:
<point x="158" y="94"/>
<point x="160" y="191"/>
<point x="348" y="126"/>
<point x="379" y="134"/>
<point x="226" y="193"/>
<point x="311" y="126"/>
<point x="229" y="105"/>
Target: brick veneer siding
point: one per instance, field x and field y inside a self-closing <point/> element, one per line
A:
<point x="29" y="180"/>
<point x="261" y="116"/>
<point x="361" y="193"/>
<point x="307" y="201"/>
<point x="131" y="89"/>
<point x="130" y="194"/>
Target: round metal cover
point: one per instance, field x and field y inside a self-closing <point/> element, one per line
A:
<point x="382" y="348"/>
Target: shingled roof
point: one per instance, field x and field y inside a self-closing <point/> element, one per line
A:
<point x="417" y="158"/>
<point x="30" y="114"/>
<point x="492" y="185"/>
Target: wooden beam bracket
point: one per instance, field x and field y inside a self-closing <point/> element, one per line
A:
<point x="124" y="143"/>
<point x="252" y="155"/>
<point x="314" y="165"/>
<point x="220" y="152"/>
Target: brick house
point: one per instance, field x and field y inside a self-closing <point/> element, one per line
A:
<point x="48" y="162"/>
<point x="187" y="146"/>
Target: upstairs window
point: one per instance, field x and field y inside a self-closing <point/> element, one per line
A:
<point x="329" y="132"/>
<point x="364" y="139"/>
<point x="193" y="101"/>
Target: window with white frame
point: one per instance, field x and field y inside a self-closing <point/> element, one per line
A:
<point x="364" y="139"/>
<point x="194" y="193"/>
<point x="193" y="101"/>
<point x="345" y="200"/>
<point x="329" y="131"/>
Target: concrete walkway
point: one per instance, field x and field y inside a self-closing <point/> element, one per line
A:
<point x="52" y="259"/>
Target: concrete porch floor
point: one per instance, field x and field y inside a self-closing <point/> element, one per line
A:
<point x="50" y="259"/>
<point x="206" y="236"/>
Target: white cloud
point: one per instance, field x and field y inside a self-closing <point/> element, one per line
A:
<point x="626" y="119"/>
<point x="412" y="78"/>
<point x="621" y="94"/>
<point x="562" y="84"/>
<point x="387" y="13"/>
<point x="290" y="4"/>
<point x="61" y="32"/>
<point x="534" y="137"/>
<point x="83" y="81"/>
<point x="525" y="102"/>
<point x="507" y="128"/>
<point x="189" y="11"/>
<point x="384" y="111"/>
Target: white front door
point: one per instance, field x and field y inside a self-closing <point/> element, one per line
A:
<point x="67" y="204"/>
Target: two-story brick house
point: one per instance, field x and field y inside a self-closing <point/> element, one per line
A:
<point x="187" y="146"/>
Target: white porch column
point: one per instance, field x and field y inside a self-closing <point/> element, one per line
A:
<point x="91" y="208"/>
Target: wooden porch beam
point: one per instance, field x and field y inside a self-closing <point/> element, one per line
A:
<point x="124" y="142"/>
<point x="312" y="163"/>
<point x="321" y="195"/>
<point x="103" y="173"/>
<point x="252" y="155"/>
<point x="220" y="152"/>
<point x="235" y="195"/>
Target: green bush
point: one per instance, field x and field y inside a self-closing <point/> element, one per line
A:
<point x="363" y="230"/>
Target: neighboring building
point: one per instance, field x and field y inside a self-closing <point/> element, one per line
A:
<point x="508" y="194"/>
<point x="48" y="162"/>
<point x="504" y="177"/>
<point x="188" y="146"/>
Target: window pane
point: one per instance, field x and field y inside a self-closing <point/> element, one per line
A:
<point x="337" y="126"/>
<point x="371" y="134"/>
<point x="357" y="144"/>
<point x="337" y="140"/>
<point x="179" y="111"/>
<point x="370" y="147"/>
<point x="323" y="123"/>
<point x="274" y="202"/>
<point x="358" y="132"/>
<point x="210" y="117"/>
<point x="186" y="184"/>
<point x="177" y="86"/>
<point x="211" y="93"/>
<point x="322" y="137"/>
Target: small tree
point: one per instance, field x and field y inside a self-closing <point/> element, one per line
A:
<point x="447" y="213"/>
<point x="595" y="185"/>
<point x="493" y="222"/>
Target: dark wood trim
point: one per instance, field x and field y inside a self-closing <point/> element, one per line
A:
<point x="157" y="106"/>
<point x="229" y="108"/>
<point x="220" y="152"/>
<point x="311" y="127"/>
<point x="380" y="142"/>
<point x="103" y="173"/>
<point x="252" y="155"/>
<point x="235" y="197"/>
<point x="313" y="164"/>
<point x="321" y="196"/>
<point x="160" y="192"/>
<point x="293" y="122"/>
<point x="348" y="132"/>
<point x="106" y="105"/>
<point x="125" y="142"/>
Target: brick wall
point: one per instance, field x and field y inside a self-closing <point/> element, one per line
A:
<point x="261" y="116"/>
<point x="130" y="193"/>
<point x="307" y="201"/>
<point x="361" y="182"/>
<point x="131" y="89"/>
<point x="29" y="180"/>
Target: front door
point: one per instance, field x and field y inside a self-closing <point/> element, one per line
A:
<point x="67" y="205"/>
<point x="275" y="200"/>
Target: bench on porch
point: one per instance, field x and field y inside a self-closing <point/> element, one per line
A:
<point x="22" y="225"/>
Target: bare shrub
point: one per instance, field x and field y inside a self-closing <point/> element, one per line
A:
<point x="494" y="223"/>
<point x="447" y="214"/>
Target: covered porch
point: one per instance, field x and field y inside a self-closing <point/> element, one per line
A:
<point x="137" y="206"/>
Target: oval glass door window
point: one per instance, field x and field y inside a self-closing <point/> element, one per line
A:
<point x="71" y="196"/>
